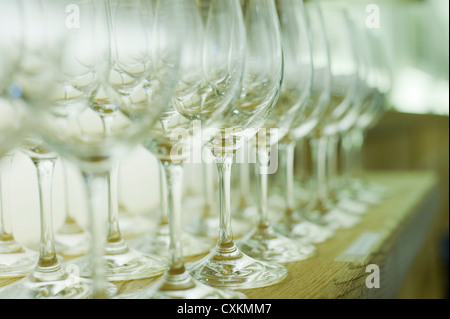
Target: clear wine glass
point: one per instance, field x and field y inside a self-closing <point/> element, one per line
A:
<point x="263" y="242"/>
<point x="206" y="223"/>
<point x="227" y="266"/>
<point x="209" y="79"/>
<point x="131" y="58"/>
<point x="378" y="79"/>
<point x="15" y="259"/>
<point x="340" y="112"/>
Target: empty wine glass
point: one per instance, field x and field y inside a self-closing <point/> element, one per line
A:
<point x="263" y="242"/>
<point x="68" y="120"/>
<point x="377" y="82"/>
<point x="209" y="79"/>
<point x="131" y="65"/>
<point x="341" y="110"/>
<point x="292" y="223"/>
<point x="227" y="266"/>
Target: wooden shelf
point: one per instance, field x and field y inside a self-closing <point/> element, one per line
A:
<point x="389" y="236"/>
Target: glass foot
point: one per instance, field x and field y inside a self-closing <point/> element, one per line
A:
<point x="16" y="260"/>
<point x="228" y="267"/>
<point x="63" y="286"/>
<point x="263" y="243"/>
<point x="129" y="264"/>
<point x="335" y="219"/>
<point x="182" y="286"/>
<point x="158" y="243"/>
<point x="303" y="230"/>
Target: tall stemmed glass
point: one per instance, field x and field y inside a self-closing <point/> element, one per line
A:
<point x="130" y="76"/>
<point x="226" y="265"/>
<point x="341" y="110"/>
<point x="378" y="83"/>
<point x="209" y="79"/>
<point x="71" y="239"/>
<point x="68" y="121"/>
<point x="292" y="223"/>
<point x="263" y="242"/>
<point x="33" y="78"/>
<point x="15" y="259"/>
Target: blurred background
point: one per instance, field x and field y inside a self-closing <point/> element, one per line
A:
<point x="414" y="134"/>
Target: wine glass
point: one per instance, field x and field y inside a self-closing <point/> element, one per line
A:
<point x="340" y="112"/>
<point x="292" y="222"/>
<point x="227" y="266"/>
<point x="131" y="77"/>
<point x="378" y="79"/>
<point x="263" y="242"/>
<point x="32" y="79"/>
<point x="209" y="79"/>
<point x="206" y="223"/>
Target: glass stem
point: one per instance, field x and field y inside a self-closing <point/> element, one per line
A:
<point x="163" y="220"/>
<point x="332" y="166"/>
<point x="6" y="232"/>
<point x="289" y="182"/>
<point x="208" y="186"/>
<point x="225" y="239"/>
<point x="263" y="215"/>
<point x="174" y="181"/>
<point x="319" y="165"/>
<point x="48" y="261"/>
<point x="115" y="242"/>
<point x="97" y="193"/>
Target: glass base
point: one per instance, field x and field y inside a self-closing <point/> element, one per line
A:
<point x="63" y="286"/>
<point x="227" y="267"/>
<point x="263" y="243"/>
<point x="15" y="260"/>
<point x="303" y="230"/>
<point x="129" y="264"/>
<point x="182" y="286"/>
<point x="158" y="243"/>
